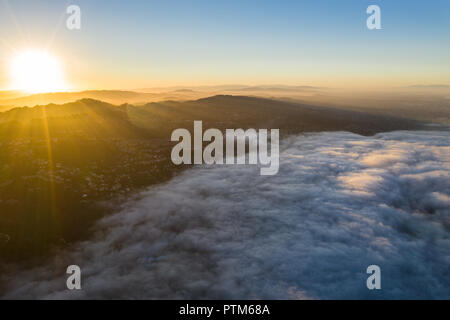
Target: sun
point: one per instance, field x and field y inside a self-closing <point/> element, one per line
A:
<point x="36" y="71"/>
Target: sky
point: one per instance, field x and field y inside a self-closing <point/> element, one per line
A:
<point x="139" y="44"/>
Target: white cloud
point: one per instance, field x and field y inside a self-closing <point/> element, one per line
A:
<point x="340" y="203"/>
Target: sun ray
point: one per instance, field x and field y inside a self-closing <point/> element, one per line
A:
<point x="57" y="27"/>
<point x="51" y="172"/>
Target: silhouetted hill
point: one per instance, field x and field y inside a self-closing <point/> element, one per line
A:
<point x="84" y="118"/>
<point x="225" y="111"/>
<point x="110" y="96"/>
<point x="12" y="99"/>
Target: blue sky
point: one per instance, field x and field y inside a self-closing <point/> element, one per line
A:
<point x="321" y="42"/>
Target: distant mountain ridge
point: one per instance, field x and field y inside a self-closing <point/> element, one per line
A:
<point x="110" y="96"/>
<point x="421" y="103"/>
<point x="222" y="111"/>
<point x="11" y="99"/>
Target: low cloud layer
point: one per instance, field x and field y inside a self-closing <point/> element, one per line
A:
<point x="340" y="203"/>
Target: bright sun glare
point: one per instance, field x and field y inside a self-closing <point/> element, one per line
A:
<point x="36" y="71"/>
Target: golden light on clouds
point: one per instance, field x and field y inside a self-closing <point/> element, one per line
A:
<point x="36" y="71"/>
